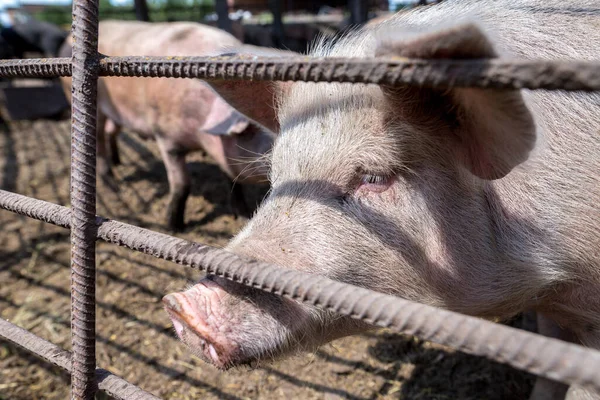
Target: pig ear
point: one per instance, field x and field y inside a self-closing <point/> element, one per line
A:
<point x="494" y="129"/>
<point x="254" y="99"/>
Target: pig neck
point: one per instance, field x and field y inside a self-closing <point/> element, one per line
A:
<point x="545" y="213"/>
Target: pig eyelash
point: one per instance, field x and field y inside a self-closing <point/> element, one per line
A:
<point x="374" y="179"/>
<point x="366" y="181"/>
<point x="377" y="183"/>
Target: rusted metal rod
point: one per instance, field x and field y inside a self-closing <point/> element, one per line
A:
<point x="542" y="356"/>
<point x="85" y="69"/>
<point x="49" y="352"/>
<point x="493" y="73"/>
<point x="35" y="68"/>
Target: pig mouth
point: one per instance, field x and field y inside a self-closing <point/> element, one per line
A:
<point x="191" y="337"/>
<point x="199" y="328"/>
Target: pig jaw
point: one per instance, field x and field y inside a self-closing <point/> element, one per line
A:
<point x="218" y="323"/>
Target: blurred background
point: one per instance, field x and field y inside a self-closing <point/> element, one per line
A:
<point x="37" y="28"/>
<point x="259" y="18"/>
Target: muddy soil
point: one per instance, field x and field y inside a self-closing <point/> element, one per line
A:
<point x="135" y="338"/>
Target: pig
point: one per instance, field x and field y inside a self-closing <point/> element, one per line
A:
<point x="182" y="115"/>
<point x="480" y="201"/>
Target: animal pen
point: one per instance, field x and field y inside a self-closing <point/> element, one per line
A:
<point x="550" y="358"/>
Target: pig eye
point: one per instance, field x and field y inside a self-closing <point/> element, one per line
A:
<point x="375" y="182"/>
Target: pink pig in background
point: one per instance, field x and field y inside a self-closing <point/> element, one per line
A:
<point x="182" y="115"/>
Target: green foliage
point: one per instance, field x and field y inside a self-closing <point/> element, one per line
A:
<point x="58" y="15"/>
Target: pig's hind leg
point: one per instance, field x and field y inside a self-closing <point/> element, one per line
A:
<point x="113" y="130"/>
<point x="103" y="165"/>
<point x="179" y="182"/>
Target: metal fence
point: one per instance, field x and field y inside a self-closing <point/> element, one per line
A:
<point x="550" y="358"/>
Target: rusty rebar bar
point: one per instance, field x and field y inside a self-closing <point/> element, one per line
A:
<point x="35" y="68"/>
<point x="493" y="73"/>
<point x="107" y="382"/>
<point x="85" y="69"/>
<point x="550" y="358"/>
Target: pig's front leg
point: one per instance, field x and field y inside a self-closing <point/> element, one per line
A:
<point x="179" y="182"/>
<point x="237" y="201"/>
<point x="549" y="389"/>
<point x="546" y="388"/>
<point x="577" y="393"/>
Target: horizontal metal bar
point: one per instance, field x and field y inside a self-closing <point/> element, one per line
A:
<point x="49" y="352"/>
<point x="35" y="68"/>
<point x="489" y="73"/>
<point x="542" y="356"/>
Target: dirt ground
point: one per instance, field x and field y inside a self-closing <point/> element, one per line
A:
<point x="134" y="336"/>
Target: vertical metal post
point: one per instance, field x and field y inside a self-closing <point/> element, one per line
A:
<point x="141" y="10"/>
<point x="359" y="11"/>
<point x="83" y="198"/>
<point x="223" y="14"/>
<point x="383" y="5"/>
<point x="278" y="33"/>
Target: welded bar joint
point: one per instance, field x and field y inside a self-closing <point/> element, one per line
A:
<point x="51" y="353"/>
<point x="85" y="68"/>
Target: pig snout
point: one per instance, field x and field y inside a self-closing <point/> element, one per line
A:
<point x="198" y="326"/>
<point x="228" y="325"/>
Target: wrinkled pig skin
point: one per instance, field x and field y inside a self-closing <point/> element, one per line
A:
<point x="480" y="201"/>
<point x="182" y="115"/>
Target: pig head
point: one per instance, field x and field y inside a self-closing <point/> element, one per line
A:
<point x="409" y="191"/>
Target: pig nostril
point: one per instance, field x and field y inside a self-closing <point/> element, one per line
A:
<point x="170" y="301"/>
